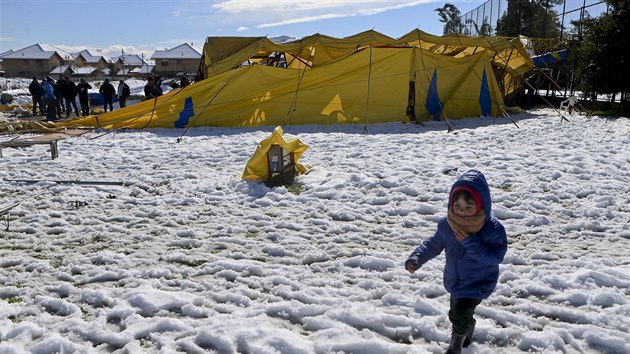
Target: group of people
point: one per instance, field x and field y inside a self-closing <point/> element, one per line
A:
<point x="153" y="87"/>
<point x="108" y="92"/>
<point x="52" y="98"/>
<point x="55" y="97"/>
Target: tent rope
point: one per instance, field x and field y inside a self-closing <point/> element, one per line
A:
<point x="448" y="122"/>
<point x="180" y="138"/>
<point x="292" y="107"/>
<point x="140" y="115"/>
<point x="496" y="103"/>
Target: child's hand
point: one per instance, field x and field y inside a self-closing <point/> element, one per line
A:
<point x="460" y="235"/>
<point x="411" y="265"/>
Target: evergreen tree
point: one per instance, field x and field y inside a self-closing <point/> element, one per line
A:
<point x="451" y="17"/>
<point x="603" y="59"/>
<point x="484" y="30"/>
<point x="530" y="18"/>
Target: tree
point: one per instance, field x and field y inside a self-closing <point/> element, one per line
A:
<point x="530" y="18"/>
<point x="603" y="60"/>
<point x="451" y="17"/>
<point x="484" y="30"/>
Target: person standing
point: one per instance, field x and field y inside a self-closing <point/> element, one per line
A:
<point x="37" y="94"/>
<point x="475" y="243"/>
<point x="57" y="86"/>
<point x="108" y="92"/>
<point x="184" y="82"/>
<point x="123" y="92"/>
<point x="50" y="98"/>
<point x="151" y="89"/>
<point x="69" y="92"/>
<point x="84" y="99"/>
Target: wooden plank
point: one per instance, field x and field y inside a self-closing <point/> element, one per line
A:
<point x="50" y="138"/>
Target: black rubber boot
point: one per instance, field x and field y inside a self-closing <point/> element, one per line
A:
<point x="469" y="335"/>
<point x="455" y="344"/>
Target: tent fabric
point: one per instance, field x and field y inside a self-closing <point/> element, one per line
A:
<point x="257" y="166"/>
<point x="550" y="58"/>
<point x="366" y="78"/>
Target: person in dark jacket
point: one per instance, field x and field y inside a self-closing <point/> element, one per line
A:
<point x="37" y="94"/>
<point x="57" y="86"/>
<point x="123" y="92"/>
<point x="152" y="88"/>
<point x="108" y="92"/>
<point x="84" y="99"/>
<point x="475" y="243"/>
<point x="185" y="82"/>
<point x="69" y="93"/>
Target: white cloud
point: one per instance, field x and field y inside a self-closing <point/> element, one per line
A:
<point x="279" y="13"/>
<point x="300" y="20"/>
<point x="238" y="6"/>
<point x="242" y="29"/>
<point x="177" y="13"/>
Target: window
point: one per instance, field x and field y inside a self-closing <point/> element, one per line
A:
<point x="178" y="62"/>
<point x="164" y="62"/>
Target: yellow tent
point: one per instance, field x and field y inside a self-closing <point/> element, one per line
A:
<point x="366" y="78"/>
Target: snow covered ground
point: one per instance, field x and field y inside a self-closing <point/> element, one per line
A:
<point x="184" y="256"/>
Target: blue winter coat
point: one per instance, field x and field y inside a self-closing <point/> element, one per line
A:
<point x="49" y="91"/>
<point x="472" y="265"/>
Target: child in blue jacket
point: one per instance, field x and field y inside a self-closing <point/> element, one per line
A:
<point x="475" y="243"/>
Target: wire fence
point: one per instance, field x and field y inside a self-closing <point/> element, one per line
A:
<point x="484" y="19"/>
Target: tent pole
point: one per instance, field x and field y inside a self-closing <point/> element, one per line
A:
<point x="505" y="113"/>
<point x="367" y="104"/>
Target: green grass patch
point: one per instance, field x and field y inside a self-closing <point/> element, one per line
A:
<point x="506" y="188"/>
<point x="14" y="300"/>
<point x="199" y="262"/>
<point x="295" y="188"/>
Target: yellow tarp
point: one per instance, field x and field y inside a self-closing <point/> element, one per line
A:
<point x="366" y="78"/>
<point x="257" y="167"/>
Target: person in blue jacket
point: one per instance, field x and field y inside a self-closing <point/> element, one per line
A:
<point x="50" y="98"/>
<point x="475" y="243"/>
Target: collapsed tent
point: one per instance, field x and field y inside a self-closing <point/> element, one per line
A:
<point x="366" y="78"/>
<point x="261" y="166"/>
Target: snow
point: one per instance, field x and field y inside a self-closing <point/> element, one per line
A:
<point x="184" y="256"/>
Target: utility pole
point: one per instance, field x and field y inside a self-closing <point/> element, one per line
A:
<point x="143" y="63"/>
<point x="122" y="58"/>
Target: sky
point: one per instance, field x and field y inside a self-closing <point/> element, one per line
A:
<point x="143" y="25"/>
<point x="185" y="256"/>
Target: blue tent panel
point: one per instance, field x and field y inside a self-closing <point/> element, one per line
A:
<point x="485" y="102"/>
<point x="549" y="58"/>
<point x="433" y="104"/>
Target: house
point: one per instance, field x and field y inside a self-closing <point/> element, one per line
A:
<point x="92" y="58"/>
<point x="179" y="61"/>
<point x="2" y="62"/>
<point x="125" y="63"/>
<point x="36" y="60"/>
<point x="79" y="71"/>
<point x="143" y="71"/>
